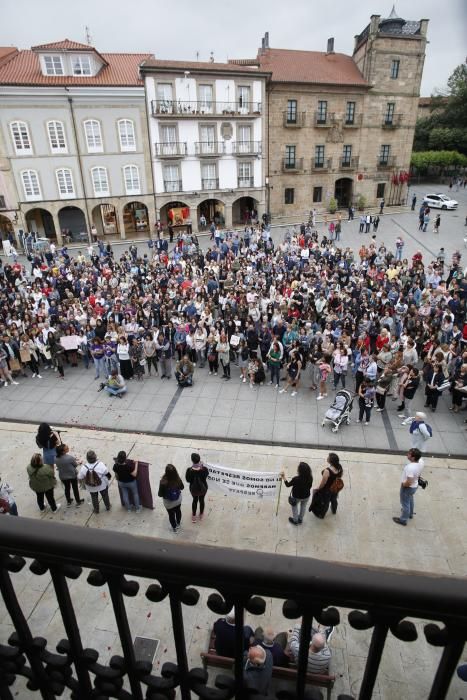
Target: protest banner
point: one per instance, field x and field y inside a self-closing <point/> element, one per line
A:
<point x="70" y="342"/>
<point x="242" y="482"/>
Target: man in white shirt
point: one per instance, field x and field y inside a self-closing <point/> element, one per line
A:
<point x="409" y="485"/>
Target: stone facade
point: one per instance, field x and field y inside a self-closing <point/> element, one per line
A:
<point x="380" y="136"/>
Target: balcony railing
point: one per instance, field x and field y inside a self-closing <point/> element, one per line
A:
<point x="294" y="119"/>
<point x="322" y="119"/>
<point x="386" y="163"/>
<point x="199" y="108"/>
<point x="356" y="121"/>
<point x="209" y="148"/>
<point x="323" y="165"/>
<point x="210" y="183"/>
<point x="246" y="148"/>
<point x="289" y="165"/>
<point x="348" y="163"/>
<point x="246" y="181"/>
<point x="173" y="185"/>
<point x="170" y="149"/>
<point x="372" y="601"/>
<point x="392" y="121"/>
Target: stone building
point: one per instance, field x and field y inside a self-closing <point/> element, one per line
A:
<point x="74" y="150"/>
<point x="207" y="131"/>
<point x="342" y="126"/>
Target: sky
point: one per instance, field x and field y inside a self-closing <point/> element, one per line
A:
<point x="181" y="29"/>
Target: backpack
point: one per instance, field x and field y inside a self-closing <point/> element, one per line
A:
<point x="92" y="478"/>
<point x="430" y="429"/>
<point x="337" y="485"/>
<point x="172" y="494"/>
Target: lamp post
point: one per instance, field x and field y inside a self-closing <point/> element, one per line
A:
<point x="268" y="197"/>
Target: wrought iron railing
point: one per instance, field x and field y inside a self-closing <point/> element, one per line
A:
<point x="210" y="183"/>
<point x="292" y="164"/>
<point x="392" y="121"/>
<point x="171" y="149"/>
<point x="173" y="186"/>
<point x="246" y="181"/>
<point x="349" y="163"/>
<point x="386" y="162"/>
<point x="190" y="108"/>
<point x="293" y="118"/>
<point x="324" y="118"/>
<point x="209" y="148"/>
<point x="380" y="600"/>
<point x="321" y="164"/>
<point x="246" y="148"/>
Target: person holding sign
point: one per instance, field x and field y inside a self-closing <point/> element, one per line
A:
<point x="197" y="477"/>
<point x="301" y="488"/>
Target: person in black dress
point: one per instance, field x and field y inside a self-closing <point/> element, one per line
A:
<point x="326" y="494"/>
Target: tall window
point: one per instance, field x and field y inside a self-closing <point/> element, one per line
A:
<point x="21" y="139"/>
<point x="290" y="156"/>
<point x="245" y="174"/>
<point x="317" y="194"/>
<point x="56" y="134"/>
<point x="380" y="187"/>
<point x="244" y="98"/>
<point x="65" y="183"/>
<point x="289" y="195"/>
<point x="319" y="156"/>
<point x="100" y="182"/>
<point x="209" y="179"/>
<point x="164" y="98"/>
<point x="206" y="94"/>
<point x="395" y="65"/>
<point x="208" y="139"/>
<point x="32" y="190"/>
<point x="389" y="115"/>
<point x="126" y="134"/>
<point x="53" y="65"/>
<point x="291" y="116"/>
<point x="384" y="154"/>
<point x="244" y="139"/>
<point x="92" y="130"/>
<point x="131" y="177"/>
<point x="81" y="65"/>
<point x="346" y="155"/>
<point x="350" y="113"/>
<point x="322" y="111"/>
<point x="172" y="180"/>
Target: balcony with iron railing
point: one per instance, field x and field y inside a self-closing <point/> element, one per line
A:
<point x="392" y="121"/>
<point x="209" y="148"/>
<point x="386" y="163"/>
<point x="324" y="119"/>
<point x="171" y="149"/>
<point x="292" y="165"/>
<point x="173" y="186"/>
<point x="246" y="182"/>
<point x="293" y="119"/>
<point x="383" y="610"/>
<point x="199" y="108"/>
<point x="210" y="183"/>
<point x="322" y="165"/>
<point x="246" y="148"/>
<point x="352" y="122"/>
<point x="348" y="163"/>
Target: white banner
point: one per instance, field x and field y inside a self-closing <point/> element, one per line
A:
<point x="242" y="482"/>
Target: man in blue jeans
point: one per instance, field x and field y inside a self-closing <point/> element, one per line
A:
<point x="409" y="485"/>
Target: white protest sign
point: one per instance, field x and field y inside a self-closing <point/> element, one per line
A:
<point x="242" y="482"/>
<point x="70" y="342"/>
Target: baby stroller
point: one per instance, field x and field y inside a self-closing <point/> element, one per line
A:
<point x="340" y="410"/>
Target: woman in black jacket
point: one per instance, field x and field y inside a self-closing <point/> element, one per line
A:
<point x="197" y="477"/>
<point x="326" y="493"/>
<point x="435" y="377"/>
<point x="301" y="487"/>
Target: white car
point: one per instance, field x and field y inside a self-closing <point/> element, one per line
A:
<point x="440" y="201"/>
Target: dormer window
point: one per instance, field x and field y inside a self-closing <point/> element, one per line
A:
<point x="81" y="65"/>
<point x="53" y="65"/>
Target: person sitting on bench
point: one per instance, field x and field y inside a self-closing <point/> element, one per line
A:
<point x="319" y="654"/>
<point x="224" y="629"/>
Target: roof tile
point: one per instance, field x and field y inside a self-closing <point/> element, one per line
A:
<point x="65" y="45"/>
<point x="287" y="65"/>
<point x="201" y="65"/>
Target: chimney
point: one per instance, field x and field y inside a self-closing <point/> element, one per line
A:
<point x="262" y="44"/>
<point x="330" y="48"/>
<point x="266" y="40"/>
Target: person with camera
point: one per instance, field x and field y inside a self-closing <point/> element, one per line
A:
<point x="409" y="484"/>
<point x="115" y="385"/>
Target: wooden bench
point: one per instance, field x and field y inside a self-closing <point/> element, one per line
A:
<point x="211" y="658"/>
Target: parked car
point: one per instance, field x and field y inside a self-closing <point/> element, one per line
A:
<point x="440" y="201"/>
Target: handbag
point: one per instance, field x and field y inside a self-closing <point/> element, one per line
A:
<point x="337" y="485"/>
<point x="380" y="390"/>
<point x="14" y="365"/>
<point x="293" y="501"/>
<point x="423" y="483"/>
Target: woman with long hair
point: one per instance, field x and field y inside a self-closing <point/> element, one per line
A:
<point x="327" y="492"/>
<point x="170" y="490"/>
<point x="301" y="486"/>
<point x="47" y="439"/>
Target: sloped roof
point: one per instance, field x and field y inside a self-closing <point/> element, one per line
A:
<point x="6" y="53"/>
<point x="120" y="69"/>
<point x="288" y="65"/>
<point x="65" y="45"/>
<point x="199" y="65"/>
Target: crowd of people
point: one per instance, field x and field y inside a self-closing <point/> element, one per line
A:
<point x="305" y="308"/>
